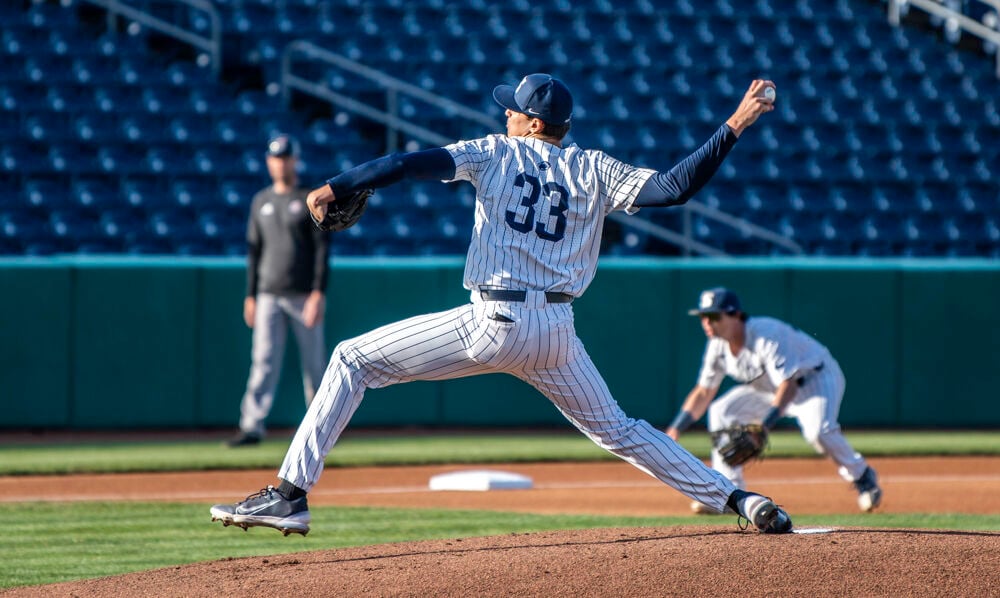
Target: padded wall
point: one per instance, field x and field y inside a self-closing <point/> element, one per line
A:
<point x="91" y="343"/>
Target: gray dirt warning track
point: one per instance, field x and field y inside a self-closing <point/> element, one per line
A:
<point x="681" y="561"/>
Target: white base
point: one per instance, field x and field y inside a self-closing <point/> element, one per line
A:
<point x="479" y="480"/>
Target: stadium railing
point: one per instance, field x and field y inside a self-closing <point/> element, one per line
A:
<point x="212" y="44"/>
<point x="953" y="20"/>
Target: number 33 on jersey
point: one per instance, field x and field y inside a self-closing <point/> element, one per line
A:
<point x="535" y="226"/>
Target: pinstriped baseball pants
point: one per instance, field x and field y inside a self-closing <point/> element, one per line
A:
<point x="538" y="345"/>
<point x="816" y="408"/>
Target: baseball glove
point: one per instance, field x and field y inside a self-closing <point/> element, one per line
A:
<point x="740" y="443"/>
<point x="345" y="211"/>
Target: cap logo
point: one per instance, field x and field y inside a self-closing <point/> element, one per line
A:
<point x="707" y="299"/>
<point x="520" y="85"/>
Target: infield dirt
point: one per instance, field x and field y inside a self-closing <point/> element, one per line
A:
<point x="711" y="560"/>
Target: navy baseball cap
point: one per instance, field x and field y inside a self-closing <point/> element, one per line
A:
<point x="716" y="301"/>
<point x="538" y="96"/>
<point x="282" y="146"/>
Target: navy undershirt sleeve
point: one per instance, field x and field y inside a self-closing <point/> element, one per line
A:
<point x="675" y="187"/>
<point x="434" y="163"/>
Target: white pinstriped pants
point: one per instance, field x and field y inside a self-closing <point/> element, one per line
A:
<point x="539" y="346"/>
<point x="816" y="408"/>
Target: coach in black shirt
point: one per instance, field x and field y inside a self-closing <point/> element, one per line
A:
<point x="287" y="269"/>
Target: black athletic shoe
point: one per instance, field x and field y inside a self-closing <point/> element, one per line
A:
<point x="244" y="439"/>
<point x="869" y="492"/>
<point x="766" y="516"/>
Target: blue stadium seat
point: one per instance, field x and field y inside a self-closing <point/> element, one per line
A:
<point x="96" y="127"/>
<point x="71" y="229"/>
<point x="71" y="98"/>
<point x="143" y="128"/>
<point x="120" y="159"/>
<point x="174" y="227"/>
<point x="95" y="193"/>
<point x="25" y="158"/>
<point x="236" y="129"/>
<point x="237" y="192"/>
<point x="193" y="129"/>
<point x="216" y="160"/>
<point x="116" y="224"/>
<point x="71" y="158"/>
<point x="96" y="70"/>
<point x="48" y="127"/>
<point x="220" y="226"/>
<point x="147" y="192"/>
<point x="22" y="226"/>
<point x="170" y="159"/>
<point x="193" y="192"/>
<point x="18" y="95"/>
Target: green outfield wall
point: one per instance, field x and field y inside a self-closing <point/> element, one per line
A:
<point x="89" y="343"/>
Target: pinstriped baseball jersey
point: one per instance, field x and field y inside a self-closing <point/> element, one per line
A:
<point x="538" y="223"/>
<point x="773" y="352"/>
<point x="540" y="210"/>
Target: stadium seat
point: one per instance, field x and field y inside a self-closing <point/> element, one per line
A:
<point x="120" y="159"/>
<point x="170" y="159"/>
<point x="192" y="192"/>
<point x="96" y="127"/>
<point x="145" y="191"/>
<point x="96" y="194"/>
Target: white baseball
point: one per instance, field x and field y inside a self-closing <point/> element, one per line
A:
<point x="769" y="93"/>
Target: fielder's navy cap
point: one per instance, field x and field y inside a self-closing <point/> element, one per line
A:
<point x="539" y="96"/>
<point x="715" y="301"/>
<point x="282" y="146"/>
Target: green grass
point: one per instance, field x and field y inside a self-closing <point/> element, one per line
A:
<point x="52" y="542"/>
<point x="24" y="459"/>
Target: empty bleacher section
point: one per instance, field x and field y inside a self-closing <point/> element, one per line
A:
<point x="885" y="141"/>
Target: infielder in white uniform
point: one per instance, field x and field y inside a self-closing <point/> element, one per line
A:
<point x="540" y="209"/>
<point x="781" y="371"/>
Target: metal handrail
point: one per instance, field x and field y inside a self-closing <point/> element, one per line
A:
<point x="744" y="226"/>
<point x="393" y="87"/>
<point x="211" y="44"/>
<point x="965" y="22"/>
<point x="394" y="123"/>
<point x="665" y="234"/>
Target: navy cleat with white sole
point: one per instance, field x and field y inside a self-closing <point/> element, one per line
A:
<point x="869" y="492"/>
<point x="766" y="516"/>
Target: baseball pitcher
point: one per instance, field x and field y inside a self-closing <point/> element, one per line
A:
<point x="540" y="209"/>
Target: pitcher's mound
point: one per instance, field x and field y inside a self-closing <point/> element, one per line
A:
<point x="675" y="561"/>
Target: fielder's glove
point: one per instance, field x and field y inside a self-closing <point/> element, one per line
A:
<point x="344" y="212"/>
<point x="740" y="443"/>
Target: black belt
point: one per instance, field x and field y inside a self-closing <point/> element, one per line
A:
<point x="803" y="379"/>
<point x="520" y="296"/>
